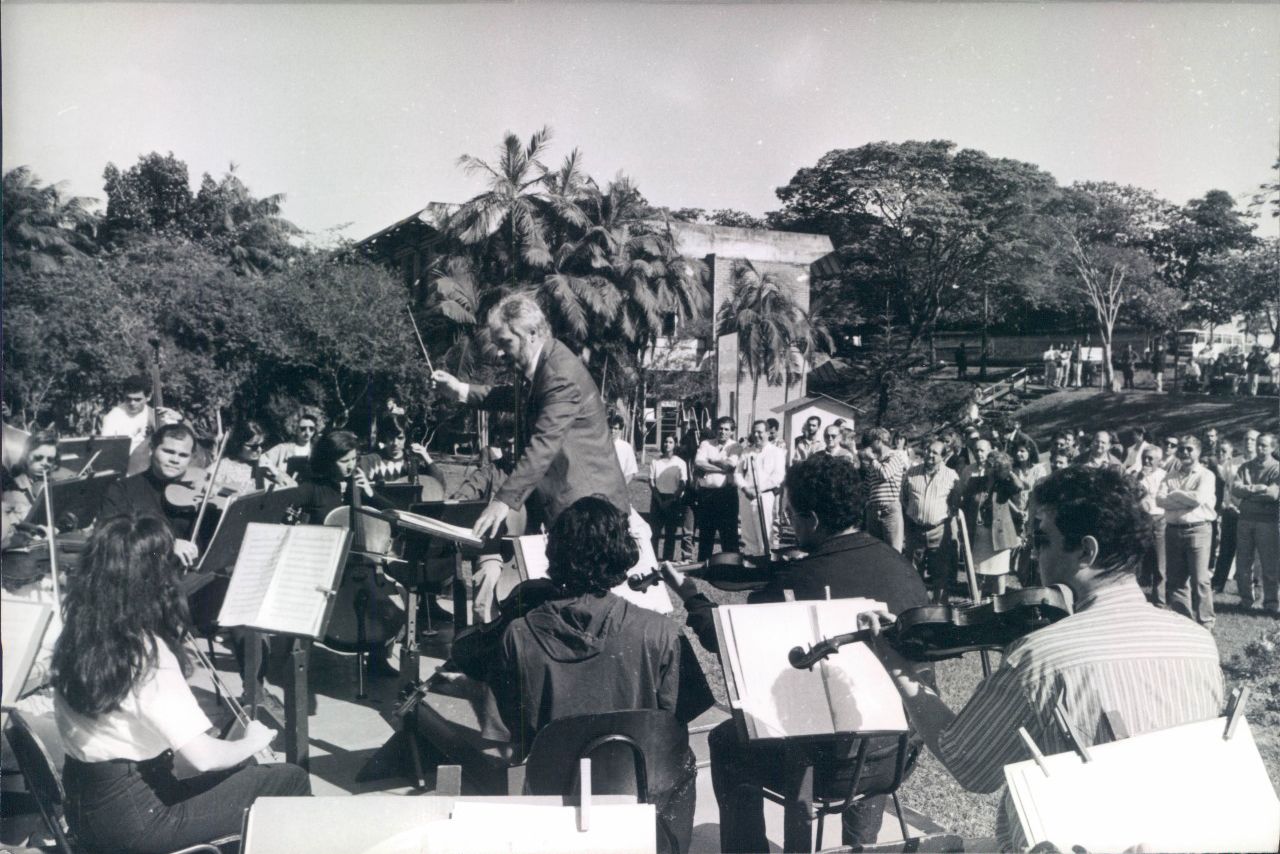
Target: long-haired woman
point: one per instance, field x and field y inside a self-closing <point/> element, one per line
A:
<point x="124" y="708"/>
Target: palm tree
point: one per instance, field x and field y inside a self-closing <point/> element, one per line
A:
<point x="42" y="227"/>
<point x="769" y="324"/>
<point x="250" y="232"/>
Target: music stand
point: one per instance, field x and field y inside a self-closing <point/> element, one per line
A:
<point x="77" y="500"/>
<point x="402" y="495"/>
<point x="270" y="505"/>
<point x="112" y="451"/>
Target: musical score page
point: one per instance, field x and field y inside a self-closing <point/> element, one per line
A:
<point x="22" y="630"/>
<point x="296" y="602"/>
<point x="283" y="578"/>
<point x="251" y="579"/>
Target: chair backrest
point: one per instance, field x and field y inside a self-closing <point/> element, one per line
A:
<point x="640" y="752"/>
<point x="41" y="772"/>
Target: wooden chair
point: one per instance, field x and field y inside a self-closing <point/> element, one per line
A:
<point x="45" y="783"/>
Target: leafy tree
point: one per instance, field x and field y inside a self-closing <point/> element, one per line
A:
<point x="43" y="228"/>
<point x="922" y="228"/>
<point x="1194" y="251"/>
<point x="736" y="219"/>
<point x="153" y="195"/>
<point x="768" y="323"/>
<point x="1254" y="274"/>
<point x="1268" y="195"/>
<point x="250" y="232"/>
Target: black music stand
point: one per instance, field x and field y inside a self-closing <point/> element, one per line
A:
<point x="75" y="501"/>
<point x="402" y="495"/>
<point x="112" y="453"/>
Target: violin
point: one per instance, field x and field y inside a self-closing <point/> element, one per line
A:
<point x="938" y="632"/>
<point x="190" y="490"/>
<point x="728" y="571"/>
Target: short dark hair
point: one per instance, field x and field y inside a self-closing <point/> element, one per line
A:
<point x="828" y="487"/>
<point x="590" y="547"/>
<point x="177" y="429"/>
<point x="1102" y="503"/>
<point x="725" y="419"/>
<point x="772" y="424"/>
<point x="616" y="421"/>
<point x="134" y="384"/>
<point x="245" y="432"/>
<point x="391" y="425"/>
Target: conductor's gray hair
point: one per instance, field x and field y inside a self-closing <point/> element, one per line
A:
<point x="521" y="315"/>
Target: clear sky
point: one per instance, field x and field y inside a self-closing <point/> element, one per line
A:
<point x="359" y="112"/>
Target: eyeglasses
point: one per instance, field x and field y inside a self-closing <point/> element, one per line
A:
<point x="305" y="428"/>
<point x="253" y="446"/>
<point x="1186" y="449"/>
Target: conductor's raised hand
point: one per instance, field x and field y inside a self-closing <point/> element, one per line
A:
<point x="490" y="520"/>
<point x="456" y="387"/>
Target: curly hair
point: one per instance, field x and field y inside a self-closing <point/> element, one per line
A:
<point x="828" y="487"/>
<point x="123" y="602"/>
<point x="590" y="548"/>
<point x="1102" y="503"/>
<point x="1000" y="476"/>
<point x="291" y="423"/>
<point x="38" y="439"/>
<point x="1033" y="453"/>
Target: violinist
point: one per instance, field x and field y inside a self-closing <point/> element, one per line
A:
<point x="396" y="460"/>
<point x="825" y="504"/>
<point x="143" y="494"/>
<point x="126" y="714"/>
<point x="243" y="466"/>
<point x="39" y="459"/>
<point x="1115" y="653"/>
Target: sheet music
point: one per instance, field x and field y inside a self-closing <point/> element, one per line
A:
<point x="251" y="579"/>
<point x="848" y="692"/>
<point x="531" y="561"/>
<point x="22" y="628"/>
<point x="427" y="525"/>
<point x="296" y="602"/>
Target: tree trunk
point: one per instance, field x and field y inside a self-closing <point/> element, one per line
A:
<point x="1108" y="372"/>
<point x="755" y="391"/>
<point x="982" y="357"/>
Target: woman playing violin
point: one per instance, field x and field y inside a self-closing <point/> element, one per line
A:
<point x="39" y="459"/>
<point x="244" y="462"/>
<point x="144" y="493"/>
<point x="124" y="709"/>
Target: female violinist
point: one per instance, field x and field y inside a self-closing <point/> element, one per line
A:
<point x="124" y="709"/>
<point x="39" y="458"/>
<point x="244" y="462"/>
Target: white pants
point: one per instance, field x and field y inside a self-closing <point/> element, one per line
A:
<point x="749" y="533"/>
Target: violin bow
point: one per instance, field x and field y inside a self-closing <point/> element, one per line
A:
<point x="53" y="544"/>
<point x="208" y="490"/>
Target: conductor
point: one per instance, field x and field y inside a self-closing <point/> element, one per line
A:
<point x="566" y="453"/>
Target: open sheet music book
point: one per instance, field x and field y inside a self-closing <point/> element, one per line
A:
<point x="434" y="527"/>
<point x="531" y="561"/>
<point x="849" y="691"/>
<point x="284" y="578"/>
<point x="1135" y="791"/>
<point x="22" y="630"/>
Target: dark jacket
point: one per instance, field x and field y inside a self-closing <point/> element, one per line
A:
<point x="567" y="452"/>
<point x="143" y="494"/>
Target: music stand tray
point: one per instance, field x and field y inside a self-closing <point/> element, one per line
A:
<point x="79" y="497"/>
<point x="268" y="506"/>
<point x="112" y="451"/>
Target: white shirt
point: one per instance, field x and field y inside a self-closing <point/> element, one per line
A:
<point x="626" y="459"/>
<point x="117" y="422"/>
<point x="710" y="452"/>
<point x="1133" y="459"/>
<point x="1151" y="482"/>
<point x="159" y="714"/>
<point x="278" y="457"/>
<point x="1188" y="496"/>
<point x="769" y="465"/>
<point x="668" y="476"/>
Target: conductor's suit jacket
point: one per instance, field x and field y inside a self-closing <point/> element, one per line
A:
<point x="567" y="451"/>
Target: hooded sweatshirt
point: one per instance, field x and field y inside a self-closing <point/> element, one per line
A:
<point x="583" y="655"/>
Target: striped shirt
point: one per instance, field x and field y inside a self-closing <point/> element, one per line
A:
<point x="883" y="478"/>
<point x="1116" y="652"/>
<point x="925" y="496"/>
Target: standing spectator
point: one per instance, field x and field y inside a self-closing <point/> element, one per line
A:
<point x="1012" y="435"/>
<point x="1210" y="443"/>
<point x="1250" y="444"/>
<point x="1187" y="496"/>
<point x="1127" y="360"/>
<point x="626" y="453"/>
<point x="717" y="496"/>
<point x="882" y="470"/>
<point x="1076" y="364"/>
<point x="1065" y="441"/>
<point x="1170" y="452"/>
<point x="929" y="495"/>
<point x="1027" y="471"/>
<point x="1152" y="572"/>
<point x="831" y="444"/>
<point x="1051" y="366"/>
<point x="1099" y="453"/>
<point x="1255" y="368"/>
<point x="1157" y="364"/>
<point x="999" y="522"/>
<point x="759" y="474"/>
<point x="1064" y="364"/>
<point x="772" y="427"/>
<point x="668" y="479"/>
<point x="808" y="443"/>
<point x="1193" y="376"/>
<point x="1228" y="515"/>
<point x="1257" y="492"/>
<point x="1137" y="436"/>
<point x="1087" y="364"/>
<point x="962" y="361"/>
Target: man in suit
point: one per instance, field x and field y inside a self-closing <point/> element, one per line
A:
<point x="565" y="453"/>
